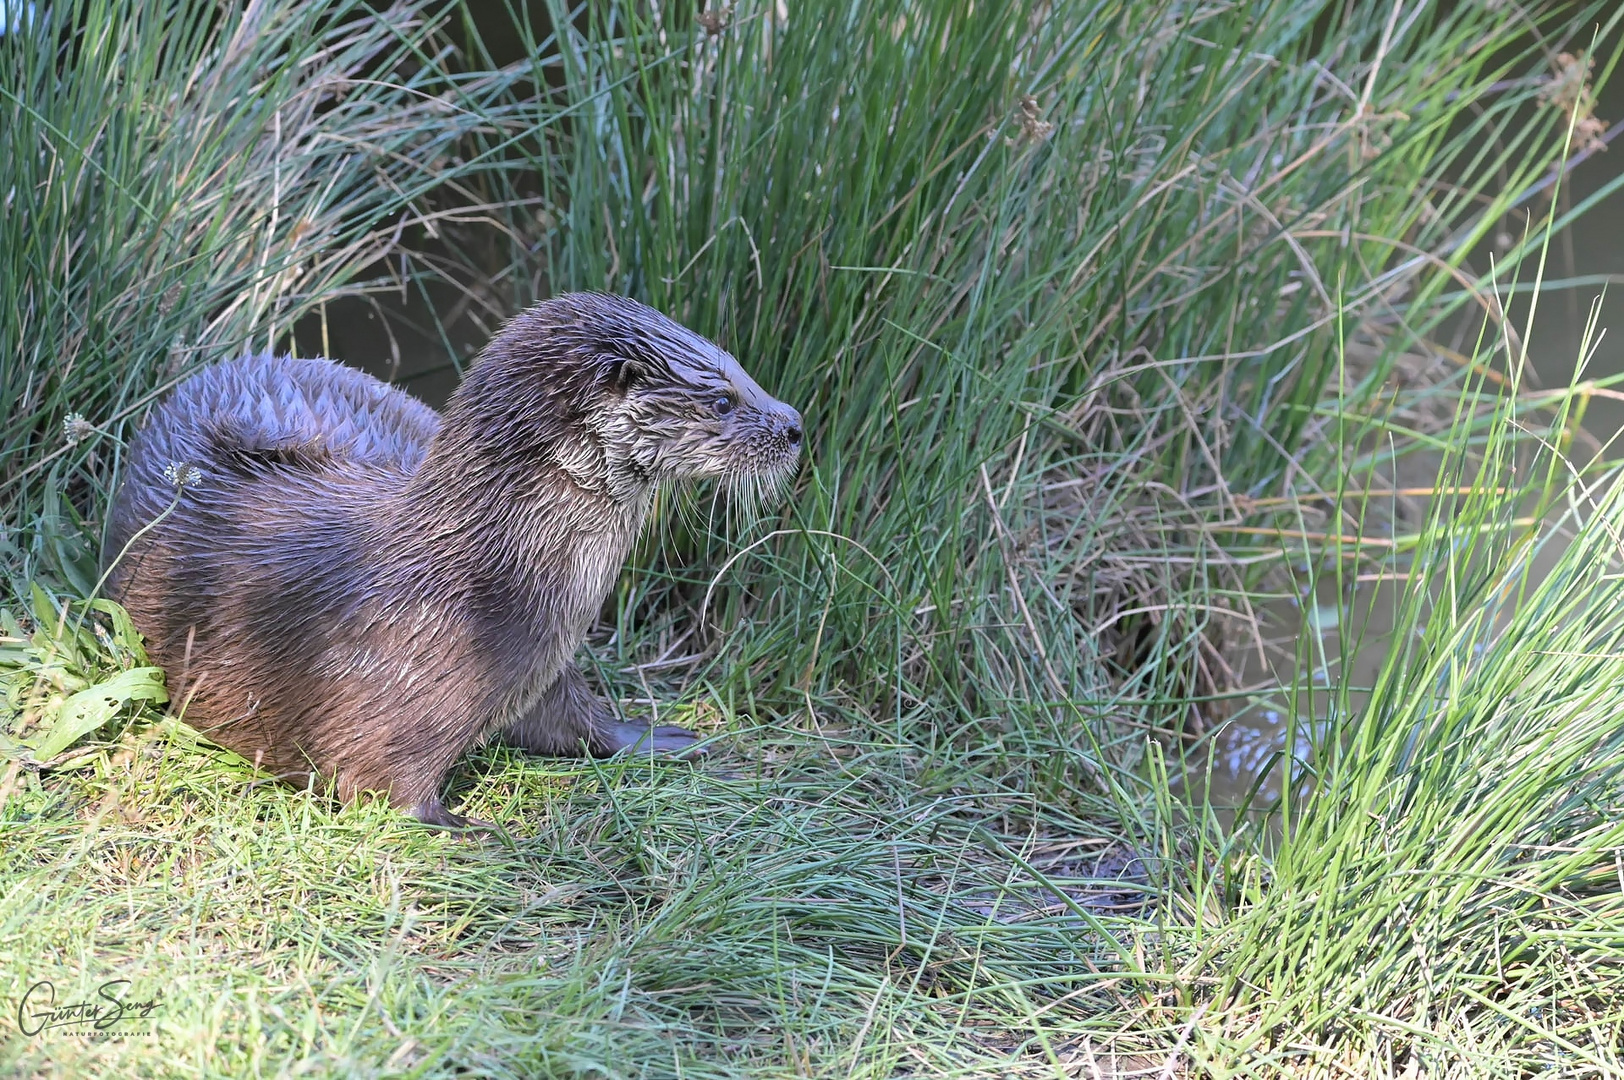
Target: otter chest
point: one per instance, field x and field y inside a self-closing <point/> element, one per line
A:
<point x="565" y="600"/>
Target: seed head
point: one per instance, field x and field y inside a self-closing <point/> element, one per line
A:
<point x="1034" y="129"/>
<point x="715" y="21"/>
<point x="181" y="475"/>
<point x="76" y="429"/>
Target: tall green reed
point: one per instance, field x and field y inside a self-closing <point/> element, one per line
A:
<point x="1056" y="288"/>
<point x="1445" y="895"/>
<point x="183" y="181"/>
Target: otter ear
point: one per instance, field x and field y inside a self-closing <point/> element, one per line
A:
<point x="622" y="373"/>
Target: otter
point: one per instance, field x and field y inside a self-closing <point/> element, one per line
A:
<point x="349" y="586"/>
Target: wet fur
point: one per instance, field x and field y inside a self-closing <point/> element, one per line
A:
<point x="358" y="588"/>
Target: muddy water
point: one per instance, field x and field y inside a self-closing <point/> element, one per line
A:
<point x="1247" y="755"/>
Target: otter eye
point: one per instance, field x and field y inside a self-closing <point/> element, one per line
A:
<point x="724" y="404"/>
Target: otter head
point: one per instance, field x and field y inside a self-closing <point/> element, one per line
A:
<point x="623" y="398"/>
<point x="680" y="408"/>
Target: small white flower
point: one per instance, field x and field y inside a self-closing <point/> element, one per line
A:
<point x="181" y="475"/>
<point x="76" y="429"/>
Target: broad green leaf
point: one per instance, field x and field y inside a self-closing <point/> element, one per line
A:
<point x="124" y="631"/>
<point x="88" y="710"/>
<point x="46" y="613"/>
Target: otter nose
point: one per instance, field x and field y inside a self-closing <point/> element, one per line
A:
<point x="789" y="422"/>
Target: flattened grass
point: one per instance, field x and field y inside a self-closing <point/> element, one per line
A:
<point x="650" y="920"/>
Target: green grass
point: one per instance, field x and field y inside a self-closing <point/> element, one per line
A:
<point x="1099" y="316"/>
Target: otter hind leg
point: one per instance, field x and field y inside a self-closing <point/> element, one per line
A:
<point x="414" y="784"/>
<point x="417" y="793"/>
<point x="570" y="717"/>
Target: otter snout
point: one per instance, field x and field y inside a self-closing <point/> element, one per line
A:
<point x="762" y="435"/>
<point x="780" y="420"/>
<point x="777" y="440"/>
<point x="785" y="423"/>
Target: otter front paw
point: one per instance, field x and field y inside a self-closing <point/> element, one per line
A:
<point x="666" y="741"/>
